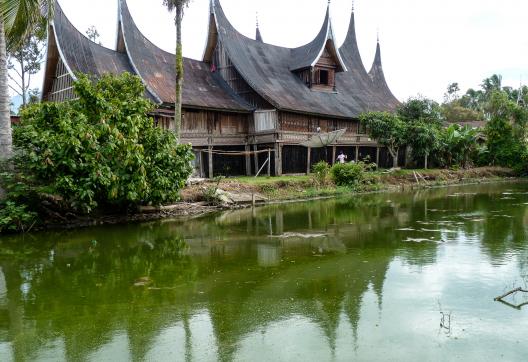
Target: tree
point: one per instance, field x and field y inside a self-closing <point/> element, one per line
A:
<point x="420" y="109"/>
<point x="93" y="34"/>
<point x="100" y="150"/>
<point x="178" y="5"/>
<point x="452" y="93"/>
<point x="25" y="60"/>
<point x="491" y="84"/>
<point x="457" y="144"/>
<point x="506" y="130"/>
<point x="6" y="140"/>
<point x="423" y="137"/>
<point x="388" y="129"/>
<point x="18" y="18"/>
<point x="473" y="99"/>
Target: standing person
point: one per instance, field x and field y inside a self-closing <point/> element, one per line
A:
<point x="342" y="157"/>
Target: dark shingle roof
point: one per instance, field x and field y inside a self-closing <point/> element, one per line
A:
<point x="267" y="69"/>
<point x="378" y="77"/>
<point x="83" y="55"/>
<point x="357" y="81"/>
<point x="307" y="55"/>
<point x="157" y="69"/>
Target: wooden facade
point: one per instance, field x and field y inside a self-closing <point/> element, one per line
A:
<point x="248" y="105"/>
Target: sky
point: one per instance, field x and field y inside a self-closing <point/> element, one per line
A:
<point x="425" y="44"/>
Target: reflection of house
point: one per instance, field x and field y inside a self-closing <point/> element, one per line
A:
<point x="244" y="95"/>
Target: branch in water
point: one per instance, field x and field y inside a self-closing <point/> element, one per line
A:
<point x="510" y="293"/>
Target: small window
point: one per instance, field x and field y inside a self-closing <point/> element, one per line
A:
<point x="323" y="77"/>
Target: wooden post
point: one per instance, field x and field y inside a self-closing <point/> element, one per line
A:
<point x="269" y="162"/>
<point x="334" y="150"/>
<point x="308" y="160"/>
<point x="278" y="159"/>
<point x="248" y="160"/>
<point x="377" y="156"/>
<point x="255" y="156"/>
<point x="357" y="153"/>
<point x="211" y="162"/>
<point x="200" y="160"/>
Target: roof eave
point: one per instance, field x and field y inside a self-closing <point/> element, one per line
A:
<point x="132" y="63"/>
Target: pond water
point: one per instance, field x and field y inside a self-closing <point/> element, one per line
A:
<point x="403" y="277"/>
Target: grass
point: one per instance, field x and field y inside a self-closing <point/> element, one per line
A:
<point x="258" y="181"/>
<point x="303" y="186"/>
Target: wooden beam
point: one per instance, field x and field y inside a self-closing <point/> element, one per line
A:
<point x="248" y="160"/>
<point x="377" y="156"/>
<point x="278" y="159"/>
<point x="269" y="162"/>
<point x="308" y="160"/>
<point x="200" y="160"/>
<point x="334" y="154"/>
<point x="211" y="162"/>
<point x="357" y="153"/>
<point x="255" y="155"/>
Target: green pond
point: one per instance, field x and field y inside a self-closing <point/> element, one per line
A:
<point x="380" y="277"/>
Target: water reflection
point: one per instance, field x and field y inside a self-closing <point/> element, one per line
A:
<point x="309" y="281"/>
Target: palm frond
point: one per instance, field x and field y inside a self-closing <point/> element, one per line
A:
<point x="22" y="16"/>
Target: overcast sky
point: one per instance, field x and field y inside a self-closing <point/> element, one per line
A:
<point x="426" y="44"/>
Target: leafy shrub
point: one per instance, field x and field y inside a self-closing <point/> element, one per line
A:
<point x="321" y="173"/>
<point x="348" y="174"/>
<point x="210" y="193"/>
<point x="101" y="150"/>
<point x="15" y="218"/>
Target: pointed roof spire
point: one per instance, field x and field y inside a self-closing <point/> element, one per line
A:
<point x="307" y="55"/>
<point x="378" y="77"/>
<point x="258" y="36"/>
<point x="350" y="49"/>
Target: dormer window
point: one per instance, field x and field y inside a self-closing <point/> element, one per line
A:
<point x="323" y="77"/>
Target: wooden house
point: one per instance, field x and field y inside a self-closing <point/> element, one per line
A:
<point x="244" y="97"/>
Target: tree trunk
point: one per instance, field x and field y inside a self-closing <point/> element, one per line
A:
<point x="426" y="159"/>
<point x="6" y="141"/>
<point x="394" y="154"/>
<point x="23" y="78"/>
<point x="179" y="72"/>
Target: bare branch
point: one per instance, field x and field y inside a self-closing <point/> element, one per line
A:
<point x="510" y="293"/>
<point x="14" y="90"/>
<point x="16" y="82"/>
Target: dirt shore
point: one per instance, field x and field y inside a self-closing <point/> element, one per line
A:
<point x="283" y="189"/>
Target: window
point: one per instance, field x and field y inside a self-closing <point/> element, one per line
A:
<point x="323" y="77"/>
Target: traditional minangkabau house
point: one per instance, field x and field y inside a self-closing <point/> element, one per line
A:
<point x="244" y="95"/>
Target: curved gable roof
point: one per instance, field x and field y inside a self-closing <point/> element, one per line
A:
<point x="80" y="54"/>
<point x="307" y="55"/>
<point x="157" y="69"/>
<point x="378" y="78"/>
<point x="267" y="70"/>
<point x="357" y="80"/>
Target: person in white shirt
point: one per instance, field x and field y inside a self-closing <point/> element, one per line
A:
<point x="342" y="157"/>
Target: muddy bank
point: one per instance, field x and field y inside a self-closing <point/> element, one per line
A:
<point x="281" y="189"/>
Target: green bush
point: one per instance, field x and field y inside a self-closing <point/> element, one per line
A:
<point x="349" y="174"/>
<point x="15" y="218"/>
<point x="101" y="150"/>
<point x="321" y="173"/>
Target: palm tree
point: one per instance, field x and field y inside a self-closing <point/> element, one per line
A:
<point x="178" y="5"/>
<point x="5" y="114"/>
<point x="17" y="20"/>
